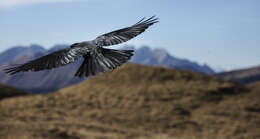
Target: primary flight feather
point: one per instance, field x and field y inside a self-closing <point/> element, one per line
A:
<point x="96" y="58"/>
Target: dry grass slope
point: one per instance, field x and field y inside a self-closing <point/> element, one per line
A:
<point x="139" y="102"/>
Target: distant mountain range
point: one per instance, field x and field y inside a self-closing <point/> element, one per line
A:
<point x="51" y="80"/>
<point x="147" y="56"/>
<point x="244" y="76"/>
<point x="20" y="51"/>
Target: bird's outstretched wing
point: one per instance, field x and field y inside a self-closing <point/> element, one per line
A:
<point x="125" y="34"/>
<point x="53" y="60"/>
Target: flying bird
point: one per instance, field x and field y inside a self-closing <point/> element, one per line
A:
<point x="97" y="59"/>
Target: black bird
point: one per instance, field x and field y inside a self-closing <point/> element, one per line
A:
<point x="96" y="58"/>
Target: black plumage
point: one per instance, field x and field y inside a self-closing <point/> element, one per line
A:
<point x="96" y="58"/>
<point x="125" y="34"/>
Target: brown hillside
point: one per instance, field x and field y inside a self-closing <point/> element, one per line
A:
<point x="137" y="102"/>
<point x="7" y="92"/>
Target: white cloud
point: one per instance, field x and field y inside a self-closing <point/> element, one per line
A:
<point x="15" y="3"/>
<point x="138" y="43"/>
<point x="134" y="42"/>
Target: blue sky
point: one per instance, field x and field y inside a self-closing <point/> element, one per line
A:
<point x="222" y="33"/>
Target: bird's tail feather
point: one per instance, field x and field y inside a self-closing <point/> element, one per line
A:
<point x="98" y="62"/>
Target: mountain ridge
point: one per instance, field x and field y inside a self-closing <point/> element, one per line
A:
<point x="244" y="76"/>
<point x="14" y="52"/>
<point x="159" y="56"/>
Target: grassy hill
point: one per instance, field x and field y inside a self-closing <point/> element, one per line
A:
<point x="139" y="102"/>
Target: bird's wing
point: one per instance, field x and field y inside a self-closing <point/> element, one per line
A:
<point x="53" y="60"/>
<point x="125" y="34"/>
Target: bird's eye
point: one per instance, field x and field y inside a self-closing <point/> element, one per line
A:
<point x="74" y="45"/>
